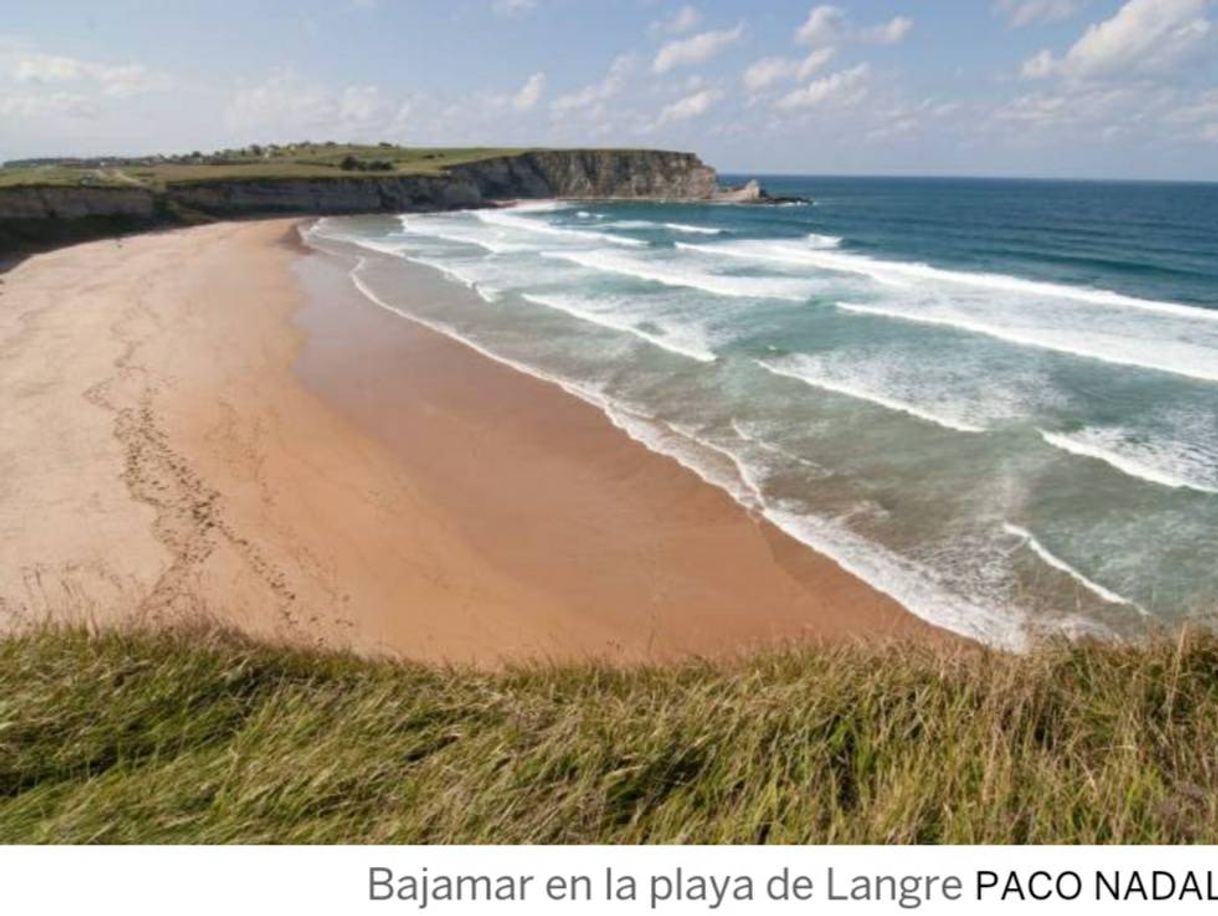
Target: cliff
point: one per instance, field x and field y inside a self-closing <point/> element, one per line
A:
<point x="33" y="215"/>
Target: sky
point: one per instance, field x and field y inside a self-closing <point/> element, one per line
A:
<point x="1053" y="88"/>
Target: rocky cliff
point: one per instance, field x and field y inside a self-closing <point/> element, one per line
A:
<point x="41" y="215"/>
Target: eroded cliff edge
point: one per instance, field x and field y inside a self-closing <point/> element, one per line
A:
<point x="33" y="215"/>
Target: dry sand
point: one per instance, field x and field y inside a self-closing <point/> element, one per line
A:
<point x="210" y="421"/>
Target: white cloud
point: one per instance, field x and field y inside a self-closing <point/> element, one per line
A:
<point x="530" y="93"/>
<point x="696" y="49"/>
<point x="1020" y="13"/>
<point x="1038" y="66"/>
<point x="813" y="62"/>
<point x="825" y="25"/>
<point x="30" y="105"/>
<point x="512" y="7"/>
<point x="592" y="95"/>
<point x="889" y="33"/>
<point x="765" y="72"/>
<point x="1143" y="37"/>
<point x="1210" y="132"/>
<point x="284" y="107"/>
<point x="769" y="70"/>
<point x="360" y="103"/>
<point x="845" y="87"/>
<point x="684" y="19"/>
<point x="25" y="65"/>
<point x="690" y="107"/>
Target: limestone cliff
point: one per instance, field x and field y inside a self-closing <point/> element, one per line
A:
<point x="33" y="215"/>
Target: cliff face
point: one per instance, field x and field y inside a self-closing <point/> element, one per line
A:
<point x="32" y="215"/>
<point x="594" y="174"/>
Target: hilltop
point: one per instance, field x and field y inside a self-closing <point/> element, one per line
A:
<point x="51" y="201"/>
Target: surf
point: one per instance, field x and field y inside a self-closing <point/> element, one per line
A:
<point x="1089" y="444"/>
<point x="1062" y="566"/>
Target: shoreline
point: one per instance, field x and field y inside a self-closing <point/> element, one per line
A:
<point x="359" y="481"/>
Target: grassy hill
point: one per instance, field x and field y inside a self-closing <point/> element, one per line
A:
<point x="296" y="160"/>
<point x="203" y="736"/>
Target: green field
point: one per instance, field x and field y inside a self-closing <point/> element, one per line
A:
<point x="301" y="160"/>
<point x="206" y="737"/>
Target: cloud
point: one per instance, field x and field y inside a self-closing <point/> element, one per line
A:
<point x="530" y="92"/>
<point x="889" y="33"/>
<point x="25" y="65"/>
<point x="592" y="95"/>
<point x="690" y="107"/>
<point x="42" y="105"/>
<point x="845" y="87"/>
<point x="696" y="49"/>
<point x="769" y="70"/>
<point x="825" y="25"/>
<point x="1143" y="37"/>
<point x="1020" y="13"/>
<point x="512" y="7"/>
<point x="284" y="106"/>
<point x="683" y="20"/>
<point x="828" y="25"/>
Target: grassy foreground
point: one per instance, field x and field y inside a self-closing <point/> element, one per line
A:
<point x="207" y="737"/>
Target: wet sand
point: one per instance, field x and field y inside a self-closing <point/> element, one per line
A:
<point x="214" y="422"/>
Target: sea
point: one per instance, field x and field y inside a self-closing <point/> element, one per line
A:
<point x="994" y="400"/>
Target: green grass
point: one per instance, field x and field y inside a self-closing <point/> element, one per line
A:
<point x="207" y="737"/>
<point x="296" y="161"/>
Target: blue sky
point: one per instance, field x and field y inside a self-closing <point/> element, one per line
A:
<point x="1097" y="88"/>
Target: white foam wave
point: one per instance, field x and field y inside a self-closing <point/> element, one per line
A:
<point x="903" y="272"/>
<point x="755" y="439"/>
<point x="1061" y="565"/>
<point x="1160" y="356"/>
<point x="808" y="372"/>
<point x="694" y="230"/>
<point x="912" y="585"/>
<point x="673" y="273"/>
<point x="907" y="582"/>
<point x="1177" y="468"/>
<point x="584" y="393"/>
<point x="503" y="220"/>
<point x="681" y="341"/>
<point x="823" y="241"/>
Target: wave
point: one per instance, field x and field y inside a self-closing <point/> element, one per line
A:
<point x="903" y="272"/>
<point x="806" y="372"/>
<point x="672" y="227"/>
<point x="1059" y="564"/>
<point x="823" y="241"/>
<point x="754" y="439"/>
<point x="584" y="393"/>
<point x="1144" y="462"/>
<point x="909" y="583"/>
<point x="1128" y="352"/>
<point x="502" y="220"/>
<point x="906" y="581"/>
<point x="694" y="230"/>
<point x="689" y="345"/>
<point x="676" y="275"/>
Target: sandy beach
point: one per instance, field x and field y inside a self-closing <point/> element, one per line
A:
<point x="213" y="422"/>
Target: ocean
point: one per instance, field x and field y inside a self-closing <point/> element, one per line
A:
<point x="994" y="400"/>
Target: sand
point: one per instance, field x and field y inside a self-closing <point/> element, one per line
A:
<point x="213" y="422"/>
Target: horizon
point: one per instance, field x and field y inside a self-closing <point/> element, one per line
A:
<point x="1037" y="89"/>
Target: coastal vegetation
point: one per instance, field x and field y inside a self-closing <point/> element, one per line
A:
<point x="292" y="160"/>
<point x="203" y="736"/>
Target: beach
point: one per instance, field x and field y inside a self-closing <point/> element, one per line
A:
<point x="214" y="423"/>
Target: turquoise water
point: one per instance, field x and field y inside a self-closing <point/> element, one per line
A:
<point x="996" y="401"/>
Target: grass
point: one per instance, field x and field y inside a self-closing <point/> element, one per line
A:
<point x="129" y="737"/>
<point x="295" y="161"/>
